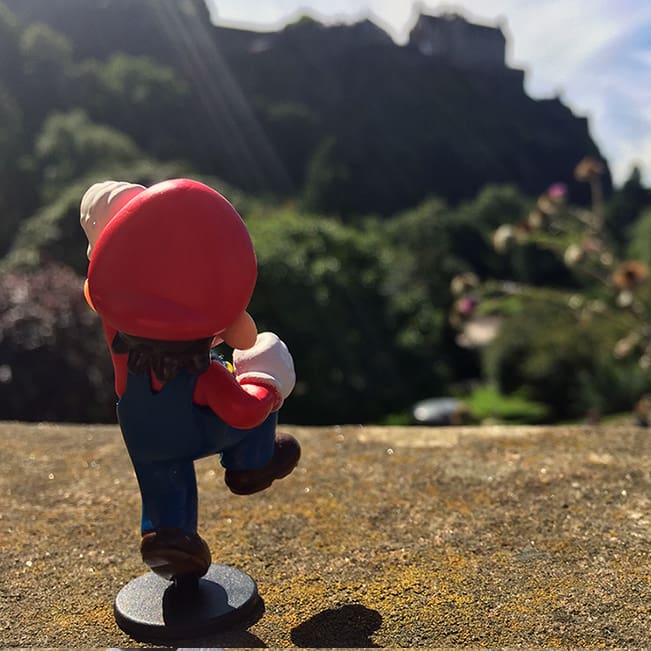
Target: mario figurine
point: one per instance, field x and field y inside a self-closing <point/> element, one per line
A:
<point x="171" y="272"/>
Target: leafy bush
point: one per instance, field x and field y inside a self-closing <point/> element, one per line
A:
<point x="639" y="247"/>
<point x="53" y="360"/>
<point x="576" y="337"/>
<point x="53" y="233"/>
<point x="564" y="359"/>
<point x="71" y="145"/>
<point x="319" y="289"/>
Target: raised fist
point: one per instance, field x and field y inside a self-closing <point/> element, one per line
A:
<point x="268" y="361"/>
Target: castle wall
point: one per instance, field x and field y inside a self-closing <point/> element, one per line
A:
<point x="459" y="42"/>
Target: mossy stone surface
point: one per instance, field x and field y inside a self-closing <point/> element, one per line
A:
<point x="390" y="537"/>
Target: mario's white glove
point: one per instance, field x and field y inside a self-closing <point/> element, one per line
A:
<point x="267" y="363"/>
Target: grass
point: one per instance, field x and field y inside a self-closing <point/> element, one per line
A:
<point x="486" y="402"/>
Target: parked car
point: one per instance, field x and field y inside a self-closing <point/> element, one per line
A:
<point x="440" y="412"/>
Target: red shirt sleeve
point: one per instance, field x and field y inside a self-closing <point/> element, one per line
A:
<point x="119" y="361"/>
<point x="241" y="406"/>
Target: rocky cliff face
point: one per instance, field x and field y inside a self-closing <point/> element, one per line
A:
<point x="458" y="42"/>
<point x="342" y="113"/>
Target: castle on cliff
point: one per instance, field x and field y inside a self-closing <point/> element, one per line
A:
<point x="459" y="42"/>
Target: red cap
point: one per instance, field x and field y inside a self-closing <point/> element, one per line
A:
<point x="175" y="263"/>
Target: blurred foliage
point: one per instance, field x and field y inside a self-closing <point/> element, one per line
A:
<point x="581" y="342"/>
<point x="11" y="127"/>
<point x="486" y="403"/>
<point x="339" y="114"/>
<point x="639" y="240"/>
<point x="139" y="97"/>
<point x="53" y="232"/>
<point x="47" y="61"/>
<point x="563" y="362"/>
<point x="53" y="362"/>
<point x="70" y="146"/>
<point x="400" y="253"/>
<point x="623" y="211"/>
<point x="318" y="280"/>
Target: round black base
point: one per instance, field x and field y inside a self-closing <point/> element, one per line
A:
<point x="151" y="608"/>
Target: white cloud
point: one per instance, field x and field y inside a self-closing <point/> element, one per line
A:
<point x="270" y="14"/>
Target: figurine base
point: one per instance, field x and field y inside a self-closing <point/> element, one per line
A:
<point x="151" y="608"/>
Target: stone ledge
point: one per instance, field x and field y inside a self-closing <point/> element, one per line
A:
<point x="390" y="537"/>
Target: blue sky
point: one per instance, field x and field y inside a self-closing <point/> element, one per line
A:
<point x="595" y="55"/>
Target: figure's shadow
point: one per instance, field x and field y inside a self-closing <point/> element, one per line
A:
<point x="350" y="626"/>
<point x="236" y="636"/>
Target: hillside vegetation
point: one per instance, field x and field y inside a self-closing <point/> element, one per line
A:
<point x="374" y="179"/>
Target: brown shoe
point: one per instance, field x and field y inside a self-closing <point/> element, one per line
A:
<point x="287" y="452"/>
<point x="172" y="553"/>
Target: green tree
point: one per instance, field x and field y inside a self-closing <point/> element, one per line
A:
<point x="471" y="226"/>
<point x="625" y="206"/>
<point x="53" y="233"/>
<point x="46" y="58"/>
<point x="564" y="359"/>
<point x="139" y="97"/>
<point x="10" y="73"/>
<point x="70" y="145"/>
<point x="639" y="247"/>
<point x="495" y="205"/>
<point x="326" y="180"/>
<point x="422" y="250"/>
<point x="295" y="131"/>
<point x="11" y="141"/>
<point x="416" y="252"/>
<point x="319" y="288"/>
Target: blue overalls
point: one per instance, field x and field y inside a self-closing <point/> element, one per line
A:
<point x="165" y="432"/>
